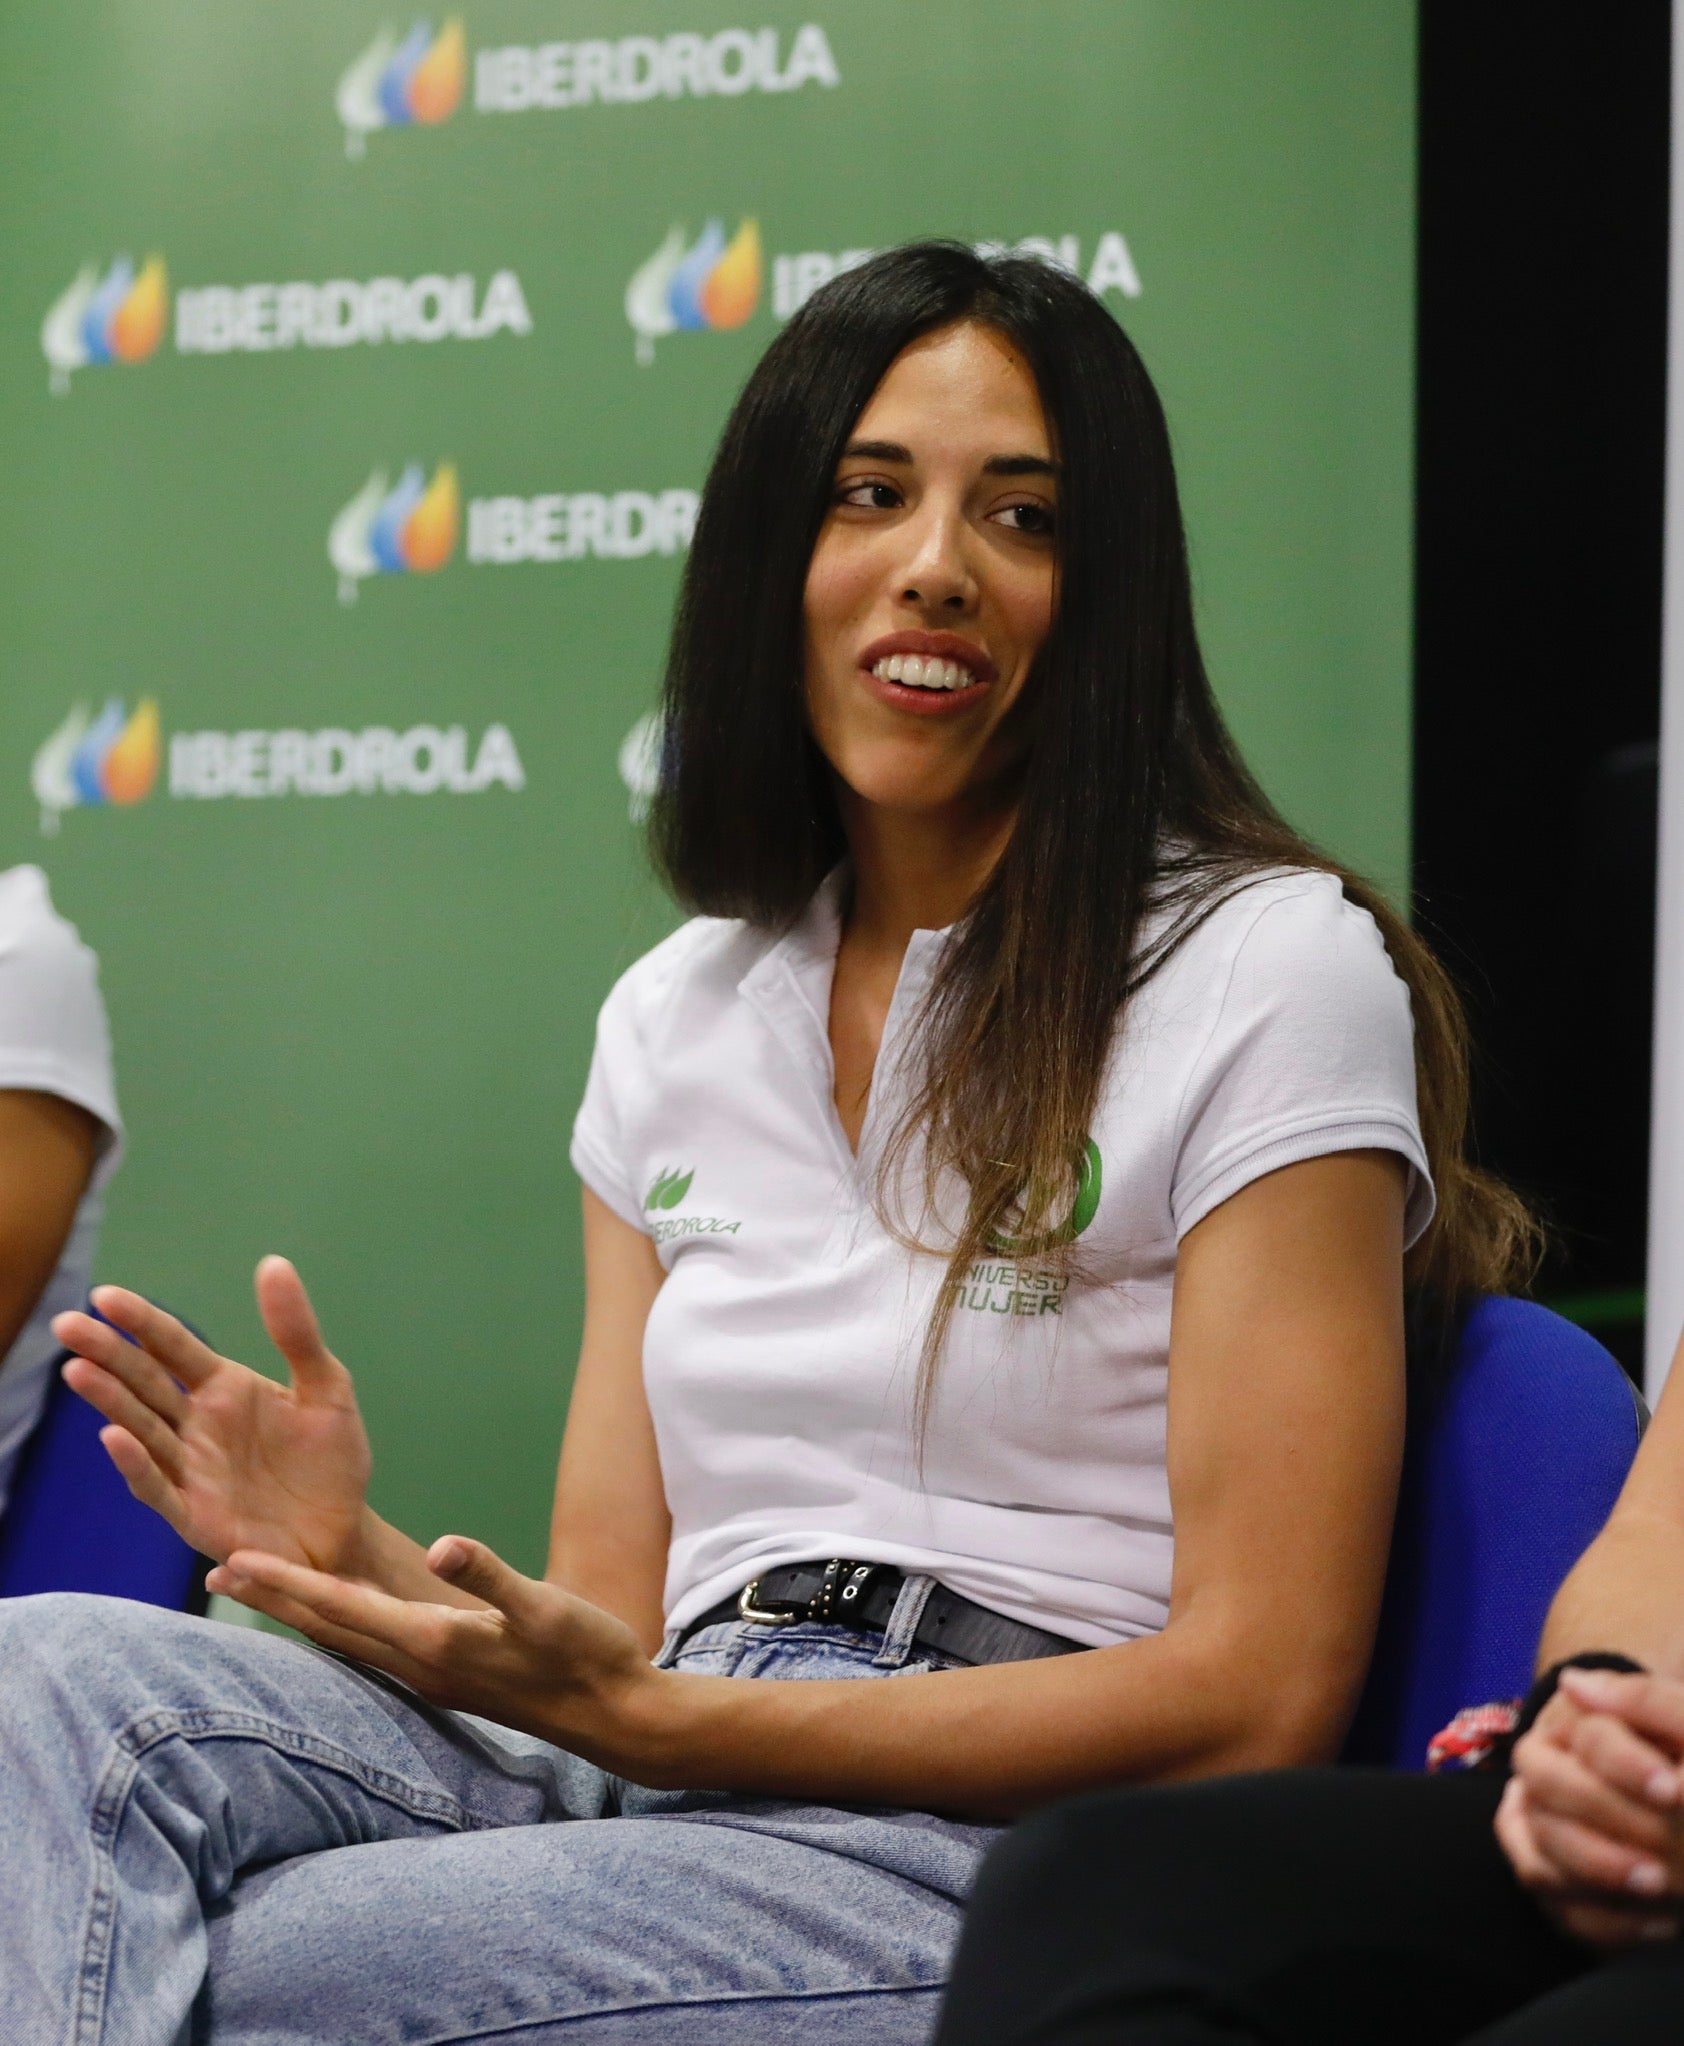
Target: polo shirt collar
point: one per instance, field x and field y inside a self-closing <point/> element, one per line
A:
<point x="790" y="985"/>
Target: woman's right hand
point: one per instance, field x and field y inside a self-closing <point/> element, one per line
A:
<point x="1591" y="1817"/>
<point x="228" y="1457"/>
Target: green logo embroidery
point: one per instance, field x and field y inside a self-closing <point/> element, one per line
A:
<point x="668" y="1188"/>
<point x="1090" y="1180"/>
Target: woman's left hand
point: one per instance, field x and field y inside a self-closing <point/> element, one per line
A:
<point x="536" y="1658"/>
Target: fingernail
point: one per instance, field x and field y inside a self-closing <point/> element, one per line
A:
<point x="1662" y="1787"/>
<point x="1659" y="1928"/>
<point x="1648" y="1879"/>
<point x="1599" y="1685"/>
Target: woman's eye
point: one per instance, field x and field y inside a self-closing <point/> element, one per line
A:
<point x="872" y="496"/>
<point x="1028" y="518"/>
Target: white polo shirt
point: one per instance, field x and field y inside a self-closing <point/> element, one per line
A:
<point x="781" y="1355"/>
<point x="53" y="1040"/>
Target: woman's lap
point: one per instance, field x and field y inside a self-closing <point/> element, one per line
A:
<point x="1308" y="1908"/>
<point x="679" y="1931"/>
<point x="373" y="1869"/>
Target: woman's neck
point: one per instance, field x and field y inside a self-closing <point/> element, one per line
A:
<point x="916" y="872"/>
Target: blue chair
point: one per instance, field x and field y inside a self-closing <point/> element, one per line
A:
<point x="1507" y="1479"/>
<point x="73" y="1525"/>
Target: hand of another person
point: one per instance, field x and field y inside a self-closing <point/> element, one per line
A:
<point x="532" y="1656"/>
<point x="228" y="1457"/>
<point x="1591" y="1820"/>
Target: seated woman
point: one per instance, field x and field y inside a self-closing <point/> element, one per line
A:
<point x="1535" y="1901"/>
<point x="1013" y="1162"/>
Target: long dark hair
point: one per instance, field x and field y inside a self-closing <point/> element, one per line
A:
<point x="1133" y="795"/>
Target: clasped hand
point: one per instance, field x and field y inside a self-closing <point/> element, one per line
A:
<point x="1592" y="1819"/>
<point x="269" y="1480"/>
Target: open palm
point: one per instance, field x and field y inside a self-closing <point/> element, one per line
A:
<point x="228" y="1457"/>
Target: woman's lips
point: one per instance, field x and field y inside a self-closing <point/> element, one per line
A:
<point x="931" y="674"/>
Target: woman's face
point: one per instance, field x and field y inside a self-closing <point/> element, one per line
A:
<point x="932" y="584"/>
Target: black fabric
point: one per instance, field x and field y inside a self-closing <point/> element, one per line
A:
<point x="1337" y="1907"/>
<point x="950" y="1624"/>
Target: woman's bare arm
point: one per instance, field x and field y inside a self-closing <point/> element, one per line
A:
<point x="1286" y="1425"/>
<point x="46" y="1156"/>
<point x="1590" y="1819"/>
<point x="1626" y="1592"/>
<point x="610" y="1527"/>
<point x="1285" y="1438"/>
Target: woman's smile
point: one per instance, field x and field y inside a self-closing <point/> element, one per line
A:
<point x="929" y="674"/>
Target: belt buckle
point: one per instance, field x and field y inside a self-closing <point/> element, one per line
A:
<point x="749" y="1608"/>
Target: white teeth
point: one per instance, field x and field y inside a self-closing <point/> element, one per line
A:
<point x="919" y="671"/>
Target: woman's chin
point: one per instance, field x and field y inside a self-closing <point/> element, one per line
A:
<point x="912" y="797"/>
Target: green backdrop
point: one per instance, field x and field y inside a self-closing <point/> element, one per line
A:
<point x="352" y="983"/>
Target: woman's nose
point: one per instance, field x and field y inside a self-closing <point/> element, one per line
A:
<point x="938" y="574"/>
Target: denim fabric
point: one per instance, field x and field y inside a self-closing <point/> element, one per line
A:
<point x="209" y="1834"/>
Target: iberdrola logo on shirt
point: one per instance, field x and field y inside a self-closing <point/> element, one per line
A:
<point x="666" y="1190"/>
<point x="1014" y="1288"/>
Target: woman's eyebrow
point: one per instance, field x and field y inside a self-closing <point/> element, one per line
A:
<point x="996" y="465"/>
<point x="1019" y="465"/>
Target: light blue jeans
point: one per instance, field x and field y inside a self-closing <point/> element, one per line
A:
<point x="210" y="1834"/>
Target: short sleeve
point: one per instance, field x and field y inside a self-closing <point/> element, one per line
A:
<point x="1312" y="1051"/>
<point x="599" y="1150"/>
<point x="54" y="1038"/>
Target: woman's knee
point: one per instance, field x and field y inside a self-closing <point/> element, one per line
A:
<point x="72" y="1642"/>
<point x="54" y="1626"/>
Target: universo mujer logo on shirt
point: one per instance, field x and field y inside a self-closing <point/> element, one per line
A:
<point x="1018" y="1284"/>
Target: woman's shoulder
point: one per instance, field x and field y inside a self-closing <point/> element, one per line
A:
<point x="48" y="976"/>
<point x="54" y="1037"/>
<point x="1291" y="925"/>
<point x="28" y="921"/>
<point x="701" y="962"/>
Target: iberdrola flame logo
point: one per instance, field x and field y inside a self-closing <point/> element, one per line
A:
<point x="685" y="285"/>
<point x="394" y="83"/>
<point x="668" y="1188"/>
<point x="115" y="318"/>
<point x="112" y="758"/>
<point x="384" y="531"/>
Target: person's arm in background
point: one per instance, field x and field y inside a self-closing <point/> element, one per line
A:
<point x="47" y="1153"/>
<point x="1593" y="1818"/>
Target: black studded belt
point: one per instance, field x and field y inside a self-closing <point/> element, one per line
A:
<point x="845" y="1593"/>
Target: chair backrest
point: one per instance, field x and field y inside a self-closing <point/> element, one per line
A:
<point x="1505" y="1484"/>
<point x="73" y="1525"/>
